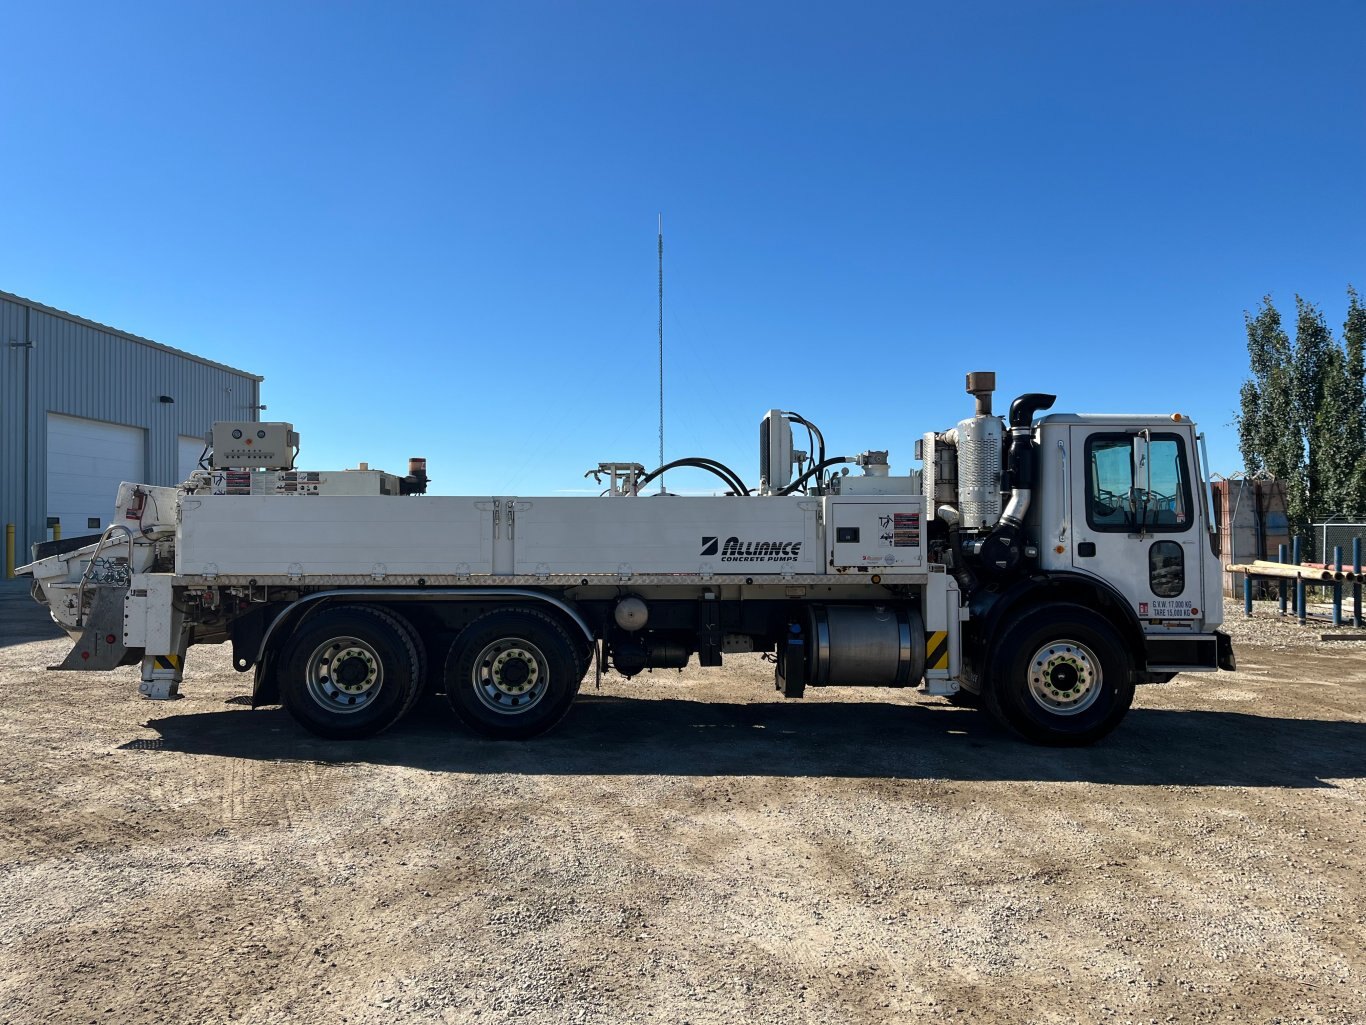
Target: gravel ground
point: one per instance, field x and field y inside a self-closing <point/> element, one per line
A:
<point x="685" y="848"/>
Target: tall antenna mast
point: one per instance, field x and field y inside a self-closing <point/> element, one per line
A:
<point x="661" y="349"/>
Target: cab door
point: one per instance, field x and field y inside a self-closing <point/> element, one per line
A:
<point x="1135" y="525"/>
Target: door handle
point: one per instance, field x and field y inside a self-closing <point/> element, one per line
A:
<point x="1086" y="549"/>
<point x="1066" y="494"/>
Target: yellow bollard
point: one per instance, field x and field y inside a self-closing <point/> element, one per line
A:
<point x="9" y="551"/>
<point x="57" y="531"/>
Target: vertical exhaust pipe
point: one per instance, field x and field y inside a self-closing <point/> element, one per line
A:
<point x="1003" y="550"/>
<point x="981" y="383"/>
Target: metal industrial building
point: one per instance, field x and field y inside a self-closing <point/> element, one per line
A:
<point x="84" y="406"/>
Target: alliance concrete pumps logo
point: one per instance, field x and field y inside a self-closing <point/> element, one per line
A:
<point x="732" y="549"/>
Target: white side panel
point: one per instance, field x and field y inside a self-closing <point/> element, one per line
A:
<point x="860" y="485"/>
<point x="188" y="451"/>
<point x="940" y="601"/>
<point x="666" y="535"/>
<point x="147" y="618"/>
<point x="86" y="462"/>
<point x="245" y="534"/>
<point x="135" y="613"/>
<point x="943" y="614"/>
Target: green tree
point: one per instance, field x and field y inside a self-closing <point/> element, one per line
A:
<point x="1303" y="412"/>
<point x="1332" y="462"/>
<point x="1322" y="404"/>
<point x="1267" y="434"/>
<point x="1354" y="424"/>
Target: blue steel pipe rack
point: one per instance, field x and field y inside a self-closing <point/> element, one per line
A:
<point x="1301" y="614"/>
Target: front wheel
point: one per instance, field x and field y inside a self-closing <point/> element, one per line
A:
<point x="1060" y="675"/>
<point x="513" y="673"/>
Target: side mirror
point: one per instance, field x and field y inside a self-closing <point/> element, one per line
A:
<point x="1143" y="477"/>
<point x="1141" y="494"/>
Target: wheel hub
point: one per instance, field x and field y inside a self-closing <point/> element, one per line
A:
<point x="514" y="671"/>
<point x="344" y="674"/>
<point x="1064" y="677"/>
<point x="351" y="673"/>
<point x="510" y="676"/>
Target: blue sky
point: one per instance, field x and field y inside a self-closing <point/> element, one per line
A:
<point x="432" y="227"/>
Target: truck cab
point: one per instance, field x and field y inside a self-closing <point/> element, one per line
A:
<point x="1122" y="502"/>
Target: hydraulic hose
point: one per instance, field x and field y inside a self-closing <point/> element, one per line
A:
<point x="819" y="455"/>
<point x="815" y="471"/>
<point x="740" y="487"/>
<point x="720" y="470"/>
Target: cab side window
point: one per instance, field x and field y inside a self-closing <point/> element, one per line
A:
<point x="1113" y="503"/>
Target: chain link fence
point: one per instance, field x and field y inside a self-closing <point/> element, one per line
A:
<point x="1334" y="533"/>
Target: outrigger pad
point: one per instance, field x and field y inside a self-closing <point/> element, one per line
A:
<point x="101" y="642"/>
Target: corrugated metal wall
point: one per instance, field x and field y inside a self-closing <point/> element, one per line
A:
<point x="1252" y="524"/>
<point x="54" y="362"/>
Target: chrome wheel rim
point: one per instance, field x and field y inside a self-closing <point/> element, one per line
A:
<point x="345" y="674"/>
<point x="510" y="676"/>
<point x="1064" y="678"/>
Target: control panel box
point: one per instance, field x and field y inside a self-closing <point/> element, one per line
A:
<point x="876" y="534"/>
<point x="247" y="445"/>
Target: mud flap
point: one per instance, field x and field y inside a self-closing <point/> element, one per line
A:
<point x="1224" y="646"/>
<point x="265" y="689"/>
<point x="791" y="669"/>
<point x="101" y="642"/>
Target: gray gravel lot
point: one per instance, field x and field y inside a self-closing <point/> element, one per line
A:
<point x="684" y="848"/>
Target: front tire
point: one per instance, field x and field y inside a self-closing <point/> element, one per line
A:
<point x="513" y="673"/>
<point x="350" y="672"/>
<point x="1061" y="676"/>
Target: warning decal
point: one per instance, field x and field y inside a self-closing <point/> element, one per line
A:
<point x="937" y="647"/>
<point x="906" y="530"/>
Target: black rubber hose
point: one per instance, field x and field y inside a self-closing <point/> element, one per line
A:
<point x="718" y="467"/>
<point x="731" y="484"/>
<point x="720" y="470"/>
<point x="716" y="464"/>
<point x="820" y="438"/>
<point x="819" y="468"/>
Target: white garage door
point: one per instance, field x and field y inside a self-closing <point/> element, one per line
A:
<point x="189" y="451"/>
<point x="86" y="461"/>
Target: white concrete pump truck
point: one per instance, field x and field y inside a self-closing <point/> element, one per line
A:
<point x="1040" y="566"/>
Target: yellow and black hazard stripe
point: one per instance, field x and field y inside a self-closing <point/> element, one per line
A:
<point x="166" y="662"/>
<point x="937" y="650"/>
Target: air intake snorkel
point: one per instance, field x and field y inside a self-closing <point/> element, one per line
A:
<point x="1002" y="551"/>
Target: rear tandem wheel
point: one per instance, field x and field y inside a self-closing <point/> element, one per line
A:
<point x="350" y="671"/>
<point x="513" y="673"/>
